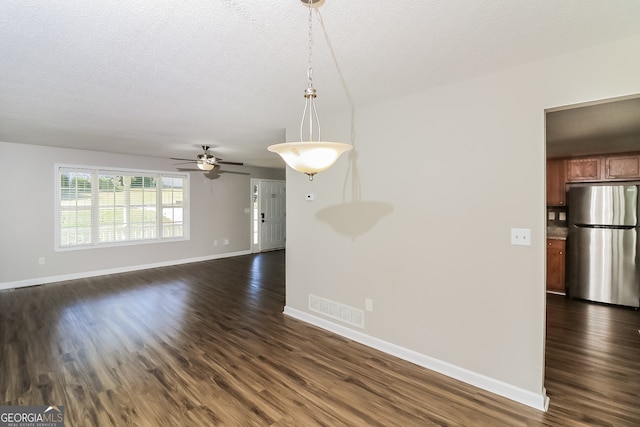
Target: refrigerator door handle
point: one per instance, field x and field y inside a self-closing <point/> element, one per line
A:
<point x="612" y="227"/>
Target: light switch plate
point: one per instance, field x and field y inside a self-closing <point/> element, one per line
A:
<point x="551" y="216"/>
<point x="309" y="197"/>
<point x="368" y="304"/>
<point x="521" y="236"/>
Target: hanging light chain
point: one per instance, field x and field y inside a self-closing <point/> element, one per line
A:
<point x="310" y="91"/>
<point x="310" y="70"/>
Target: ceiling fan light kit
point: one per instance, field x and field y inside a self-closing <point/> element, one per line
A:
<point x="204" y="165"/>
<point x="206" y="161"/>
<point x="310" y="156"/>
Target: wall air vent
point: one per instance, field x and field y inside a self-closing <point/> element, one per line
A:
<point x="337" y="311"/>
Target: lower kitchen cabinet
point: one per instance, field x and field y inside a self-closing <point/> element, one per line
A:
<point x="555" y="265"/>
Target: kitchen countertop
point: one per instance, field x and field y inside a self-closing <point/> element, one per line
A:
<point x="557" y="233"/>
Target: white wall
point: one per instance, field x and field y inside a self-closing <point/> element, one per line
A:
<point x="27" y="187"/>
<point x="418" y="219"/>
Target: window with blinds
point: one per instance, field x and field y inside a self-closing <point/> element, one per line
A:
<point x="111" y="207"/>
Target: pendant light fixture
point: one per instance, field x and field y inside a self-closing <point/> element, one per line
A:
<point x="313" y="155"/>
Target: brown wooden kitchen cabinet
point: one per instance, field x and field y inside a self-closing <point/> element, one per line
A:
<point x="611" y="167"/>
<point x="622" y="167"/>
<point x="555" y="265"/>
<point x="584" y="169"/>
<point x="556" y="195"/>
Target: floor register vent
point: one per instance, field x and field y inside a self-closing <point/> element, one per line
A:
<point x="336" y="310"/>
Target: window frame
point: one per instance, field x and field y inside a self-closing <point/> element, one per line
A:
<point x="159" y="206"/>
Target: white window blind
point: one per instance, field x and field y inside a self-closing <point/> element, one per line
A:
<point x="110" y="207"/>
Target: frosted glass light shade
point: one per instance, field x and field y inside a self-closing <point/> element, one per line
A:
<point x="205" y="166"/>
<point x="310" y="157"/>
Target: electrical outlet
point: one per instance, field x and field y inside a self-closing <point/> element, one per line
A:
<point x="226" y="242"/>
<point x="521" y="236"/>
<point x="41" y="260"/>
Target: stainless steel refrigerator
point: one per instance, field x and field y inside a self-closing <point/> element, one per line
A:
<point x="602" y="245"/>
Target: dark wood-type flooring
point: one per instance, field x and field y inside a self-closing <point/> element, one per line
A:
<point x="207" y="344"/>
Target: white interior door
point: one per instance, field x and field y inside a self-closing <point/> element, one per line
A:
<point x="269" y="215"/>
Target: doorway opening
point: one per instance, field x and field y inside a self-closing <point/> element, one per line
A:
<point x="268" y="215"/>
<point x="590" y="142"/>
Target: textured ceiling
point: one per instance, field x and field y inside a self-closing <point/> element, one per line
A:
<point x="611" y="126"/>
<point x="162" y="77"/>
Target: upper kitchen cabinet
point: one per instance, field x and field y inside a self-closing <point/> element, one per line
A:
<point x="622" y="167"/>
<point x="556" y="182"/>
<point x="611" y="167"/>
<point x="584" y="169"/>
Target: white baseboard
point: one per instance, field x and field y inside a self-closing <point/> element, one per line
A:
<point x="85" y="274"/>
<point x="534" y="400"/>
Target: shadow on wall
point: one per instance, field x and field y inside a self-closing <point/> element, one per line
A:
<point x="355" y="218"/>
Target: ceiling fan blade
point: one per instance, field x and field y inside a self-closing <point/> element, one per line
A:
<point x="237" y="173"/>
<point x="230" y="163"/>
<point x="189" y="170"/>
<point x="186" y="160"/>
<point x="186" y="163"/>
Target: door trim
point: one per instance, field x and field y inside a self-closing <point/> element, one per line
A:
<point x="254" y="192"/>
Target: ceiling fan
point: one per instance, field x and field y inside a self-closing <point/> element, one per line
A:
<point x="205" y="161"/>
